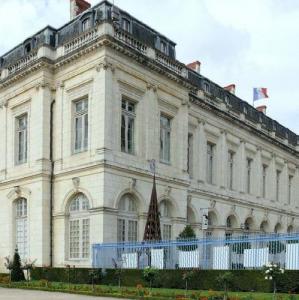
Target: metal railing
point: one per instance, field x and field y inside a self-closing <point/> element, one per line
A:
<point x="236" y="252"/>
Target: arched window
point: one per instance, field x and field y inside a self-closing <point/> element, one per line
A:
<point x="290" y="229"/>
<point x="127" y="221"/>
<point x="264" y="227"/>
<point x="165" y="220"/>
<point x="231" y="222"/>
<point x="190" y="216"/>
<point x="212" y="218"/>
<point x="79" y="227"/>
<point x="248" y="225"/>
<point x="21" y="227"/>
<point x="278" y="228"/>
<point x="86" y="24"/>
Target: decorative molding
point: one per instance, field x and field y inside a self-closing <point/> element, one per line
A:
<point x="151" y="86"/>
<point x="76" y="182"/>
<point x="105" y="65"/>
<point x="167" y="191"/>
<point x="132" y="184"/>
<point x="212" y="204"/>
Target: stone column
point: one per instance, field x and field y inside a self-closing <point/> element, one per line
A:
<point x="284" y="185"/>
<point x="3" y="144"/>
<point x="271" y="179"/>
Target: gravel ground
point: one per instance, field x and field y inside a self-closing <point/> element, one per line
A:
<point x="18" y="294"/>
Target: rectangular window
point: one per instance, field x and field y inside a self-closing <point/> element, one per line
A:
<point x="248" y="175"/>
<point x="132" y="231"/>
<point x="166" y="234"/>
<point x="163" y="47"/>
<point x="190" y="155"/>
<point x="230" y="177"/>
<point x="125" y="25"/>
<point x="74" y="239"/>
<point x="290" y="189"/>
<point x="264" y="180"/>
<point x="278" y="172"/>
<point x="85" y="238"/>
<point x="21" y="139"/>
<point x="86" y="24"/>
<point x="121" y="230"/>
<point x="81" y="125"/>
<point x="210" y="162"/>
<point x="128" y="127"/>
<point x="165" y="132"/>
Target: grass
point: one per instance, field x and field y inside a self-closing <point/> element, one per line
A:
<point x="140" y="292"/>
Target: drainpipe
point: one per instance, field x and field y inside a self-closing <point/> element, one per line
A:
<point x="51" y="181"/>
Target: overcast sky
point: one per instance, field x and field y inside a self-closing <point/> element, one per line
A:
<point x="252" y="43"/>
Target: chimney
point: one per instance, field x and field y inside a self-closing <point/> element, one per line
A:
<point x="77" y="7"/>
<point x="231" y="88"/>
<point x="195" y="66"/>
<point x="262" y="108"/>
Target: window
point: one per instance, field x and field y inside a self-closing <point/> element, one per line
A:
<point x="21" y="227"/>
<point x="21" y="139"/>
<point x="210" y="162"/>
<point x="126" y="25"/>
<point x="165" y="213"/>
<point x="206" y="87"/>
<point x="166" y="233"/>
<point x="128" y="127"/>
<point x="127" y="222"/>
<point x="248" y="175"/>
<point x="165" y="131"/>
<point x="278" y="172"/>
<point x="79" y="228"/>
<point x="190" y="155"/>
<point x="27" y="48"/>
<point x="163" y="47"/>
<point x="230" y="174"/>
<point x="290" y="189"/>
<point x="264" y="180"/>
<point x="81" y="125"/>
<point x="86" y="24"/>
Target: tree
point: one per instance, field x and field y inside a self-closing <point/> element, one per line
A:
<point x="17" y="273"/>
<point x="187" y="234"/>
<point x="225" y="280"/>
<point x="149" y="274"/>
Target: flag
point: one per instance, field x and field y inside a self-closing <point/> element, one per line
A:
<point x="260" y="93"/>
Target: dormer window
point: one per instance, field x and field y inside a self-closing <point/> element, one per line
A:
<point x="86" y="24"/>
<point x="226" y="99"/>
<point x="163" y="47"/>
<point x="27" y="48"/>
<point x="206" y="87"/>
<point x="125" y="25"/>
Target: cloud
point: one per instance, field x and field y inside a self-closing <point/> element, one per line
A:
<point x="250" y="42"/>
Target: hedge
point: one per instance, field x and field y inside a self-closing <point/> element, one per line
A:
<point x="244" y="280"/>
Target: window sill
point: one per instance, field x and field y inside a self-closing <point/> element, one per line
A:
<point x="79" y="151"/>
<point x="165" y="162"/>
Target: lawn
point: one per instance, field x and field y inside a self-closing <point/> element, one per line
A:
<point x="140" y="292"/>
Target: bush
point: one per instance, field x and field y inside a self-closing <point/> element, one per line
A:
<point x="246" y="280"/>
<point x="17" y="273"/>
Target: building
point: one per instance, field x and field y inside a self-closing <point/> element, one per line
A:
<point x="85" y="107"/>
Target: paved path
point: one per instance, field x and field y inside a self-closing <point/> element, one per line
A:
<point x="17" y="294"/>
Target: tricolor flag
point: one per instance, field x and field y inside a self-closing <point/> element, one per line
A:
<point x="259" y="93"/>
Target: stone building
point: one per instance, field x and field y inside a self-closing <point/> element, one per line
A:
<point x="84" y="108"/>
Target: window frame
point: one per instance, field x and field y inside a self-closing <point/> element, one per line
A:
<point x="21" y="217"/>
<point x="126" y="24"/>
<point x="278" y="175"/>
<point x="129" y="118"/>
<point x="19" y="131"/>
<point x="190" y="154"/>
<point x="290" y="188"/>
<point x="249" y="162"/>
<point x="264" y="180"/>
<point x="231" y="165"/>
<point x="211" y="151"/>
<point x="84" y="116"/>
<point x="165" y="139"/>
<point x="79" y="215"/>
<point x="86" y="21"/>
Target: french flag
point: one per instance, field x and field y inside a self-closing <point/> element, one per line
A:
<point x="260" y="93"/>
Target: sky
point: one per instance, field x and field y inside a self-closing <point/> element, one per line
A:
<point x="251" y="43"/>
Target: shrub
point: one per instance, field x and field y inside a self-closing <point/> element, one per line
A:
<point x="17" y="273"/>
<point x="149" y="274"/>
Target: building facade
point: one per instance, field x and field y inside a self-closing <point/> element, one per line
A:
<point x="84" y="108"/>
